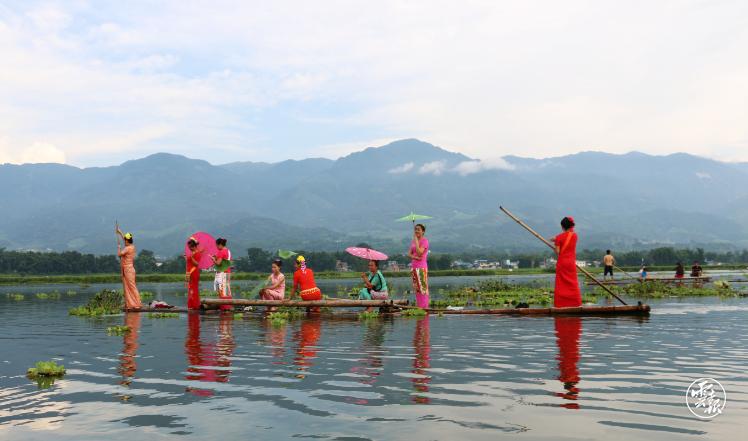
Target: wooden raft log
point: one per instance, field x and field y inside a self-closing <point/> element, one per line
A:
<point x="339" y="303"/>
<point x="640" y="309"/>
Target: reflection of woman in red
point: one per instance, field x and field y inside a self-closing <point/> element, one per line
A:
<point x="127" y="364"/>
<point x="566" y="292"/>
<point x="568" y="331"/>
<point x="307" y="338"/>
<point x="204" y="357"/>
<point x="422" y="360"/>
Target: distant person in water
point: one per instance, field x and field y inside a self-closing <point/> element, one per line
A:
<point x="222" y="281"/>
<point x="192" y="275"/>
<point x="643" y="273"/>
<point x="127" y="267"/>
<point x="375" y="284"/>
<point x="696" y="270"/>
<point x="276" y="284"/>
<point x="303" y="282"/>
<point x="680" y="271"/>
<point x="418" y="253"/>
<point x="566" y="292"/>
<point x="608" y="262"/>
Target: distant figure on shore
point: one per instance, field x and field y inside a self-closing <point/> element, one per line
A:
<point x="418" y="253"/>
<point x="376" y="285"/>
<point x="566" y="292"/>
<point x="222" y="281"/>
<point x="303" y="282"/>
<point x="192" y="275"/>
<point x="276" y="284"/>
<point x="608" y="262"/>
<point x="680" y="271"/>
<point x="696" y="270"/>
<point x="643" y="273"/>
<point x="127" y="266"/>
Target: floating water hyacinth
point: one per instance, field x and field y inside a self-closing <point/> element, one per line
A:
<point x="159" y="315"/>
<point x="414" y="312"/>
<point x="45" y="373"/>
<point x="278" y="318"/>
<point x="105" y="302"/>
<point x="368" y="315"/>
<point x="118" y="330"/>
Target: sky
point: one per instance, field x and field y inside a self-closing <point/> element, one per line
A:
<point x="98" y="83"/>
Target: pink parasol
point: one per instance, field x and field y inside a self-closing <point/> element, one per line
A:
<point x="207" y="245"/>
<point x="366" y="253"/>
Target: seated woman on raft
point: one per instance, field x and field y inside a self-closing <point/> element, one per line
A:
<point x="566" y="293"/>
<point x="376" y="285"/>
<point x="303" y="282"/>
<point x="276" y="284"/>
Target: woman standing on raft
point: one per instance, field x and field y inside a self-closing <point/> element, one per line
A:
<point x="192" y="275"/>
<point x="419" y="250"/>
<point x="222" y="281"/>
<point x="566" y="293"/>
<point x="127" y="265"/>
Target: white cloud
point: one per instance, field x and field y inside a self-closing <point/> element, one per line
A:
<point x="433" y="168"/>
<point x="401" y="169"/>
<point x="539" y="79"/>
<point x="39" y="152"/>
<point x="470" y="167"/>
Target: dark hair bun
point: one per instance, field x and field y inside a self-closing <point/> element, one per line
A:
<point x="567" y="223"/>
<point x="278" y="262"/>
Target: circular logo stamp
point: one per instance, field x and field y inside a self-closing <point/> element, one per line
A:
<point x="706" y="398"/>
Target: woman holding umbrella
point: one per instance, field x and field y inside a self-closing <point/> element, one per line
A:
<point x="376" y="285"/>
<point x="419" y="249"/>
<point x="566" y="292"/>
<point x="192" y="276"/>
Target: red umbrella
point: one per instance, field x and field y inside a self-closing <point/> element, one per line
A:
<point x="366" y="253"/>
<point x="207" y="245"/>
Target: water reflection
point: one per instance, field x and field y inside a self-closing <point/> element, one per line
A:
<point x="209" y="361"/>
<point x="306" y="339"/>
<point x="127" y="363"/>
<point x="422" y="360"/>
<point x="568" y="332"/>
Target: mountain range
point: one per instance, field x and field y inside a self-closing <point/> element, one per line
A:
<point x="620" y="201"/>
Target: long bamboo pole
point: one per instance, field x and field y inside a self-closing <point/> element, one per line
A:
<point x="638" y="279"/>
<point x="304" y="303"/>
<point x="545" y="241"/>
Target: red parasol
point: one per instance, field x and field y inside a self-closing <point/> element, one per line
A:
<point x="206" y="244"/>
<point x="366" y="253"/>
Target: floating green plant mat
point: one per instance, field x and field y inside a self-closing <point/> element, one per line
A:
<point x="118" y="330"/>
<point x="415" y="312"/>
<point x="368" y="315"/>
<point x="45" y="373"/>
<point x="104" y="302"/>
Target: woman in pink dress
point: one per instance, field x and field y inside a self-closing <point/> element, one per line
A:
<point x="276" y="284"/>
<point x="419" y="250"/>
<point x="127" y="265"/>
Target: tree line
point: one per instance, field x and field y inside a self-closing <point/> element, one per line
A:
<point x="258" y="260"/>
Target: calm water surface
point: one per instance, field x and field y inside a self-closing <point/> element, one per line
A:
<point x="456" y="377"/>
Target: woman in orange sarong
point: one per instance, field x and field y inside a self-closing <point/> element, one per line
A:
<point x="127" y="265"/>
<point x="192" y="276"/>
<point x="566" y="293"/>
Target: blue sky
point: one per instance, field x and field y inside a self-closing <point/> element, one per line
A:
<point x="97" y="83"/>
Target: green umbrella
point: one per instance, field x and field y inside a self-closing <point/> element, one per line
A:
<point x="412" y="217"/>
<point x="286" y="254"/>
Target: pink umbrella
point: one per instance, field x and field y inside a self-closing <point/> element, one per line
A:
<point x="206" y="244"/>
<point x="366" y="253"/>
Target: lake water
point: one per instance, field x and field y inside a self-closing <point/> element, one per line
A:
<point x="456" y="377"/>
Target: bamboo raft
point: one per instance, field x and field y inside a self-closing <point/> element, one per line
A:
<point x="337" y="303"/>
<point x="639" y="309"/>
<point x="667" y="280"/>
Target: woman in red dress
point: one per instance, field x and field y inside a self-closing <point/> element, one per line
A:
<point x="303" y="282"/>
<point x="192" y="275"/>
<point x="567" y="293"/>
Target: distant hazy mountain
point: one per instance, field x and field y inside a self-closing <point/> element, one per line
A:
<point x="618" y="200"/>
